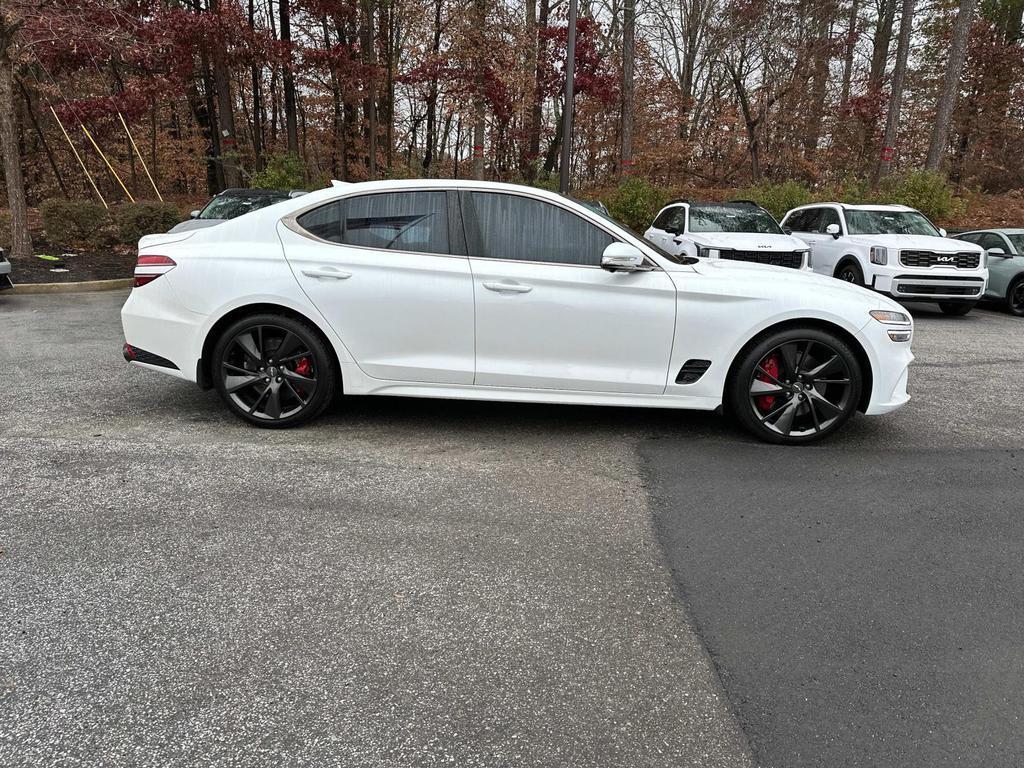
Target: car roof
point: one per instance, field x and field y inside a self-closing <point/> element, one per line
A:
<point x="859" y="207"/>
<point x="246" y="192"/>
<point x="997" y="230"/>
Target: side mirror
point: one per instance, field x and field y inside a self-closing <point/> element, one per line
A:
<point x="997" y="252"/>
<point x="832" y="229"/>
<point x="194" y="214"/>
<point x="787" y="230"/>
<point x="622" y="257"/>
<point x="942" y="232"/>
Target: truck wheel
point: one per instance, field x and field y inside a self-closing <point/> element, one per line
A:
<point x="956" y="308"/>
<point x="849" y="271"/>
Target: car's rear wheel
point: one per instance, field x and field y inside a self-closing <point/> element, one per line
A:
<point x="956" y="308"/>
<point x="795" y="386"/>
<point x="849" y="272"/>
<point x="273" y="370"/>
<point x="1015" y="297"/>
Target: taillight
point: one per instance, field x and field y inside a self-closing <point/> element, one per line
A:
<point x="148" y="268"/>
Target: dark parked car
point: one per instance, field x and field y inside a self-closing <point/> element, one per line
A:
<point x="5" y="271"/>
<point x="232" y="203"/>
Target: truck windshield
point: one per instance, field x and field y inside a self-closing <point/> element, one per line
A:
<point x="732" y="218"/>
<point x="868" y="222"/>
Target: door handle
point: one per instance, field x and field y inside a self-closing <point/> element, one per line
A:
<point x="508" y="287"/>
<point x="328" y="272"/>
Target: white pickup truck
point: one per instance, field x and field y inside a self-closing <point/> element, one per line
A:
<point x="892" y="249"/>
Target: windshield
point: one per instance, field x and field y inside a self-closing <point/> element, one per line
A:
<point x="1018" y="242"/>
<point x="860" y="222"/>
<point x="732" y="218"/>
<point x="233" y="206"/>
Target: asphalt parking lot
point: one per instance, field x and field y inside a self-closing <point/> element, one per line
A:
<point x="435" y="583"/>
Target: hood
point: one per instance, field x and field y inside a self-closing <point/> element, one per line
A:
<point x="748" y="241"/>
<point x="821" y="286"/>
<point x="917" y="243"/>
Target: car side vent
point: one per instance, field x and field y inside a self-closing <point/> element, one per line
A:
<point x="692" y="370"/>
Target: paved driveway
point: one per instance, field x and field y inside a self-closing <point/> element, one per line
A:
<point x="403" y="583"/>
<point x="862" y="598"/>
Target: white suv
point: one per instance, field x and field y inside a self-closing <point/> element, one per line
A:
<point x="739" y="231"/>
<point x="892" y="249"/>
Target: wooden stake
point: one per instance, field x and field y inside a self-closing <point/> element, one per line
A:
<point x="78" y="157"/>
<point x="139" y="155"/>
<point x="116" y="176"/>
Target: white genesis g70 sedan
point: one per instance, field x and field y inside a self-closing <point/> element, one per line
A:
<point x="465" y="289"/>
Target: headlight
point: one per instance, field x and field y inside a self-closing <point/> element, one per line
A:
<point x="706" y="252"/>
<point x="890" y="318"/>
<point x="879" y="255"/>
<point x="900" y="335"/>
<point x="806" y="256"/>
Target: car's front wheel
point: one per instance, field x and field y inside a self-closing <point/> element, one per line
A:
<point x="273" y="370"/>
<point x="795" y="386"/>
<point x="849" y="272"/>
<point x="1015" y="297"/>
<point x="956" y="308"/>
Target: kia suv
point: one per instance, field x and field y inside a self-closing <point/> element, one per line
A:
<point x="738" y="231"/>
<point x="892" y="249"/>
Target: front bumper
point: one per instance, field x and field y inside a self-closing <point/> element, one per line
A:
<point x="931" y="287"/>
<point x="890" y="368"/>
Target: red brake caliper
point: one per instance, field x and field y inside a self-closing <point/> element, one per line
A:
<point x="304" y="368"/>
<point x="772" y="367"/>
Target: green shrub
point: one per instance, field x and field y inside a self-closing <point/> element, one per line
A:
<point x="281" y="172"/>
<point x="635" y="203"/>
<point x="778" y="198"/>
<point x="134" y="221"/>
<point x="76" y="223"/>
<point x="928" y="191"/>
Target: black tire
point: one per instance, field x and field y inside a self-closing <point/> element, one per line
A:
<point x="1015" y="297"/>
<point x="849" y="271"/>
<point x="264" y="388"/>
<point x="795" y="386"/>
<point x="956" y="308"/>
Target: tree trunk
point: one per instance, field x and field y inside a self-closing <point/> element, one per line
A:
<point x="950" y="86"/>
<point x="21" y="239"/>
<point x="370" y="100"/>
<point x="479" y="113"/>
<point x="819" y="84"/>
<point x="428" y="154"/>
<point x="257" y="100"/>
<point x="892" y="122"/>
<point x="290" y="115"/>
<point x="626" y="115"/>
<point x="226" y="111"/>
<point x="880" y="48"/>
<point x="42" y="138"/>
<point x="537" y="112"/>
<point x="848" y="54"/>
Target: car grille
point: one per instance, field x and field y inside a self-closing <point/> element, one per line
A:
<point x="965" y="260"/>
<point x="945" y="290"/>
<point x="792" y="259"/>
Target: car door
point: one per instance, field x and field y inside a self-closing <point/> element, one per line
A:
<point x="547" y="315"/>
<point x="390" y="274"/>
<point x="664" y="228"/>
<point x="805" y="225"/>
<point x="826" y="249"/>
<point x="1001" y="269"/>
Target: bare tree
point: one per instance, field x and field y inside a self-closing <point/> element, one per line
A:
<point x="21" y="239"/>
<point x="950" y="85"/>
<point x="896" y="92"/>
<point x="627" y="105"/>
<point x="290" y="117"/>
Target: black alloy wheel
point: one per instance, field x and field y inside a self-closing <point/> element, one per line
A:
<point x="796" y="386"/>
<point x="273" y="371"/>
<point x="850" y="273"/>
<point x="1015" y="297"/>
